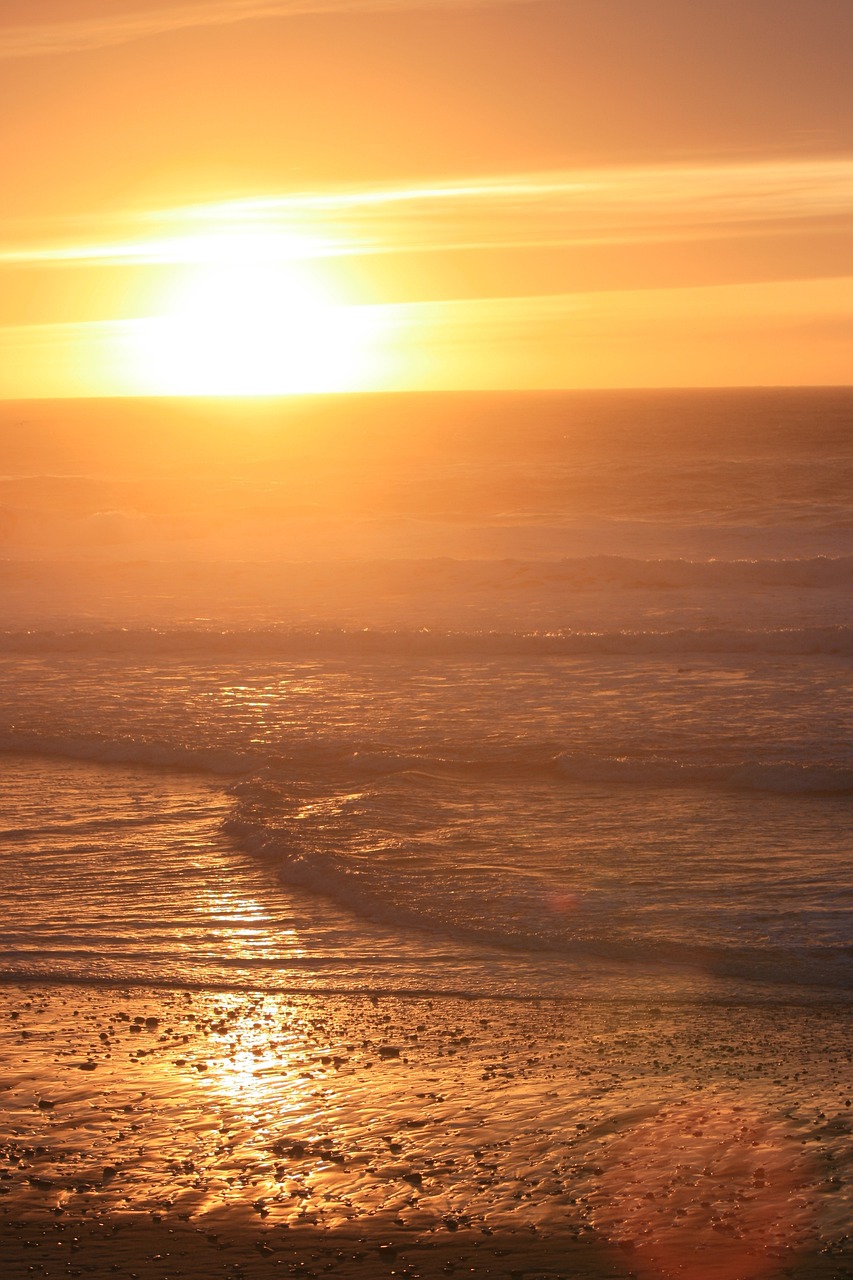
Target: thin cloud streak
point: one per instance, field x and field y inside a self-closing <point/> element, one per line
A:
<point x="608" y="206"/>
<point x="766" y="187"/>
<point x="41" y="39"/>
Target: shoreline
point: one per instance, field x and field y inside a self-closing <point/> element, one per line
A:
<point x="763" y="996"/>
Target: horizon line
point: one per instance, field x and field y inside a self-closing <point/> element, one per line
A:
<point x="409" y="392"/>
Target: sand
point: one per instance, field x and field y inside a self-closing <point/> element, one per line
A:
<point x="170" y="1133"/>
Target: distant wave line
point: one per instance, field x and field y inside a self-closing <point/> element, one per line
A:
<point x="318" y="642"/>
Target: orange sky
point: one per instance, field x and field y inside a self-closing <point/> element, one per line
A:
<point x="253" y="196"/>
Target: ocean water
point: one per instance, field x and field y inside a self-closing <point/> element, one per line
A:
<point x="530" y="695"/>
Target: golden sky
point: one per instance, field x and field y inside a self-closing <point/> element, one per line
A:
<point x="263" y="196"/>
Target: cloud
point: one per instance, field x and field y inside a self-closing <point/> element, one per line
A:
<point x="40" y="39"/>
<point x="597" y="206"/>
<point x="617" y="204"/>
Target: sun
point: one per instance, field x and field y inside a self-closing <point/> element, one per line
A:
<point x="245" y="320"/>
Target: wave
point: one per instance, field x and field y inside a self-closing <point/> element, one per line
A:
<point x="661" y="574"/>
<point x="782" y="777"/>
<point x="499" y="572"/>
<point x="395" y="887"/>
<point x="277" y="642"/>
<point x="364" y="760"/>
<point x="130" y="751"/>
<point x="504" y="573"/>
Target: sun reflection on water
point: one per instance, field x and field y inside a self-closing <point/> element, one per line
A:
<point x="244" y="928"/>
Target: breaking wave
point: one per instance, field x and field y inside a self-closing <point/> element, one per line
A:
<point x="359" y="761"/>
<point x="409" y="856"/>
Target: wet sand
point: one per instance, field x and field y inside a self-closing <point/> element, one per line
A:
<point x="165" y="1133"/>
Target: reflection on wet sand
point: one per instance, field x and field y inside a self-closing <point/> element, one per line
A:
<point x="646" y="1141"/>
<point x="714" y="1189"/>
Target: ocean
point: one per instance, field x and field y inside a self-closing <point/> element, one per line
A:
<point x="530" y="695"/>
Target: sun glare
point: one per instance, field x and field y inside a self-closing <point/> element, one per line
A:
<point x="248" y="321"/>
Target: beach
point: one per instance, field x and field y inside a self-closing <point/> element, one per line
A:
<point x="174" y="1133"/>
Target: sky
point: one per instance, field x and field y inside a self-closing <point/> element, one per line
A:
<point x="274" y="196"/>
